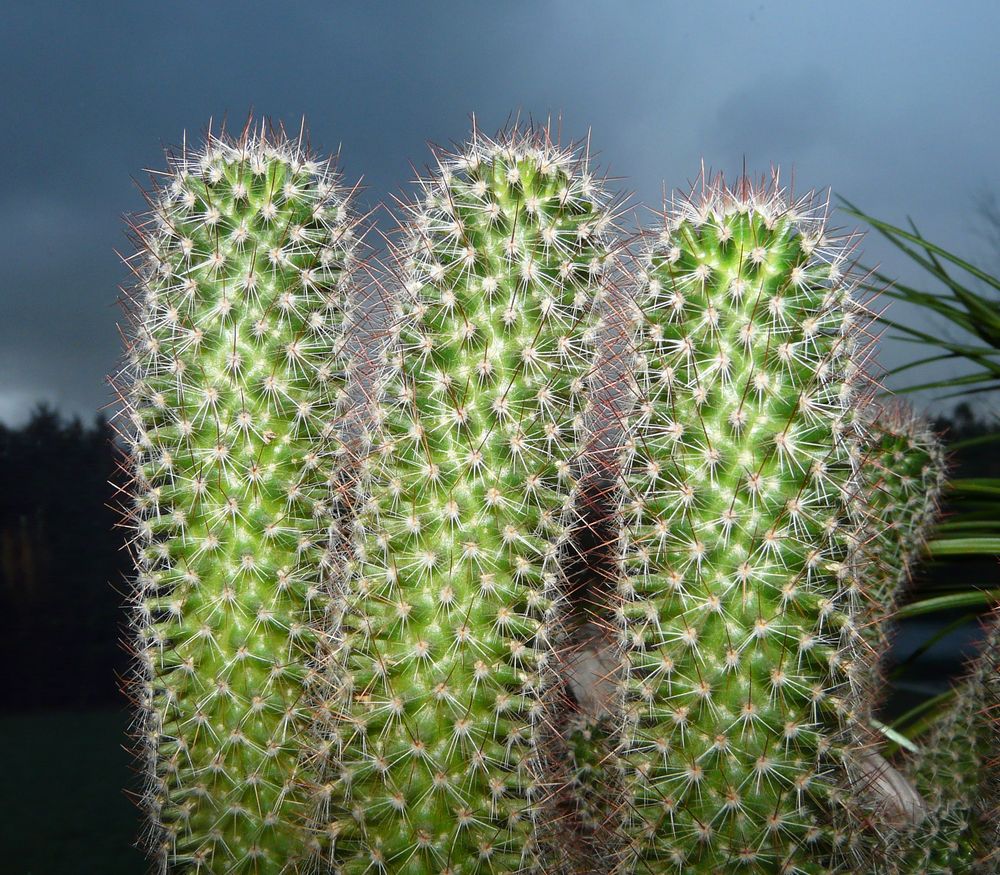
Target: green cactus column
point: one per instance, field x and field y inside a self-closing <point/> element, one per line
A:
<point x="904" y="473"/>
<point x="234" y="371"/>
<point x="738" y="530"/>
<point x="449" y="609"/>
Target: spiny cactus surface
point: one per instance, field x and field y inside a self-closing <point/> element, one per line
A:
<point x="234" y="371"/>
<point x="739" y="524"/>
<point x="449" y="601"/>
<point x="904" y="473"/>
<point x="955" y="774"/>
<point x="591" y="791"/>
<point x="390" y="701"/>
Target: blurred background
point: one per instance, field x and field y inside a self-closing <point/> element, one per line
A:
<point x="894" y="105"/>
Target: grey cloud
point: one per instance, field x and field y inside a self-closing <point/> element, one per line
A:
<point x="777" y="117"/>
<point x="93" y="90"/>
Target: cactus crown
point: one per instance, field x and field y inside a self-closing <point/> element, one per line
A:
<point x="234" y="373"/>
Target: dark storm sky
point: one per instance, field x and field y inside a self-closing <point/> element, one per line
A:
<point x="894" y="104"/>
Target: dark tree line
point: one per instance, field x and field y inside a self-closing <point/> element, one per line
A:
<point x="64" y="567"/>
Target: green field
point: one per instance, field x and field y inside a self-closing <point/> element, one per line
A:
<point x="64" y="809"/>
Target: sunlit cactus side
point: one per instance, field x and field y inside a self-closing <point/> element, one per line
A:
<point x="904" y="470"/>
<point x="956" y="774"/>
<point x="234" y="371"/>
<point x="450" y="602"/>
<point x="739" y="530"/>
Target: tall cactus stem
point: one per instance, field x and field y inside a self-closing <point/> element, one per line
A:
<point x="904" y="471"/>
<point x="235" y="369"/>
<point x="452" y="598"/>
<point x="740" y="527"/>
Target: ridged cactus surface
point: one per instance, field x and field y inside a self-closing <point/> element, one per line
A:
<point x="738" y="527"/>
<point x="450" y="599"/>
<point x="234" y="372"/>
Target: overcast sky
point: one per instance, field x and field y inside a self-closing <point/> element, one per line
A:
<point x="893" y="104"/>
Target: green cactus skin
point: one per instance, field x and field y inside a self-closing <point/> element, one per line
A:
<point x="232" y="381"/>
<point x="450" y="603"/>
<point x="955" y="772"/>
<point x="739" y="530"/>
<point x="904" y="471"/>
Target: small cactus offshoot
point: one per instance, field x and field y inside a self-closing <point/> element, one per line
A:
<point x="956" y="774"/>
<point x="904" y="473"/>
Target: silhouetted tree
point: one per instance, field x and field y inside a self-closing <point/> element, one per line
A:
<point x="61" y="564"/>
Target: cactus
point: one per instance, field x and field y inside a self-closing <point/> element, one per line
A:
<point x="591" y="780"/>
<point x="389" y="670"/>
<point x="235" y="367"/>
<point x="451" y="598"/>
<point x="959" y="834"/>
<point x="739" y="528"/>
<point x="904" y="471"/>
